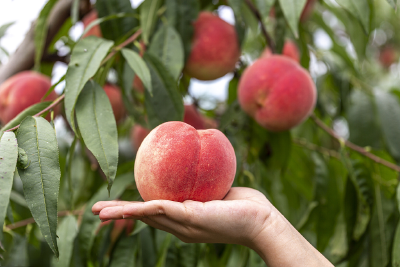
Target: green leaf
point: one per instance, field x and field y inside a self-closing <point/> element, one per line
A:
<point x="41" y="180"/>
<point x="292" y="10"/>
<point x="327" y="195"/>
<point x="166" y="104"/>
<point x="117" y="28"/>
<point x="396" y="248"/>
<point x="75" y="11"/>
<point x="98" y="128"/>
<point x="264" y="7"/>
<point x="139" y="67"/>
<point x="389" y="115"/>
<point x="360" y="9"/>
<point x="30" y="111"/>
<point x="362" y="118"/>
<point x="139" y="226"/>
<point x="167" y="46"/>
<point x="41" y="31"/>
<point x="163" y="251"/>
<point x="181" y="14"/>
<point x="4" y="28"/>
<point x="67" y="232"/>
<point x="8" y="162"/>
<point x="393" y="3"/>
<point x="85" y="61"/>
<point x="148" y="17"/>
<point x="90" y="223"/>
<point x="124" y="253"/>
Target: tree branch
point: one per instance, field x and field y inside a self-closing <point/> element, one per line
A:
<point x="257" y="14"/>
<point x="24" y="56"/>
<point x="354" y="147"/>
<point x="314" y="147"/>
<point x="31" y="220"/>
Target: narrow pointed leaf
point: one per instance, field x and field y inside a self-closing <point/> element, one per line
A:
<point x="66" y="232"/>
<point x="116" y="29"/>
<point x="389" y="114"/>
<point x="41" y="31"/>
<point x="4" y="28"/>
<point x="292" y="10"/>
<point x="393" y="3"/>
<point x="140" y="68"/>
<point x="360" y="9"/>
<point x="90" y="223"/>
<point x="148" y="17"/>
<point x="85" y="61"/>
<point x="41" y="180"/>
<point x="165" y="95"/>
<point x="32" y="110"/>
<point x="167" y="46"/>
<point x="396" y="247"/>
<point x="98" y="128"/>
<point x="124" y="253"/>
<point x="181" y="14"/>
<point x="8" y="162"/>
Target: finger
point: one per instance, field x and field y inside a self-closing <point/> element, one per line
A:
<point x="104" y="204"/>
<point x="111" y="213"/>
<point x="174" y="210"/>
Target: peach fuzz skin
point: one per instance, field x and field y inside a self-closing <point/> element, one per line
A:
<point x="215" y="48"/>
<point x="277" y="92"/>
<point x="191" y="117"/>
<point x="289" y="49"/>
<point x="89" y="18"/>
<point x="176" y="162"/>
<point x="114" y="94"/>
<point x="22" y="91"/>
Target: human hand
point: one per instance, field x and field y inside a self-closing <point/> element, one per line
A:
<point x="244" y="217"/>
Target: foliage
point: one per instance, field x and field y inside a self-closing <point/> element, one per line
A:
<point x="344" y="201"/>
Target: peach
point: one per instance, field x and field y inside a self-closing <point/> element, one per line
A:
<point x="191" y="117"/>
<point x="387" y="56"/>
<point x="177" y="162"/>
<point x="114" y="94"/>
<point x="215" y="48"/>
<point x="22" y="91"/>
<point x="277" y="92"/>
<point x="89" y="18"/>
<point x="289" y="49"/>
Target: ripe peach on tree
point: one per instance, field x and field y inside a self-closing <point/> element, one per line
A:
<point x="289" y="49"/>
<point x="177" y="162"/>
<point x="22" y="91"/>
<point x="215" y="48"/>
<point x="277" y="92"/>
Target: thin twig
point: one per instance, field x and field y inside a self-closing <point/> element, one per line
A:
<point x="314" y="147"/>
<point x="55" y="103"/>
<point x="257" y="14"/>
<point x="122" y="45"/>
<point x="31" y="220"/>
<point x="354" y="147"/>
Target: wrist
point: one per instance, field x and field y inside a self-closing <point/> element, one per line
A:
<point x="280" y="244"/>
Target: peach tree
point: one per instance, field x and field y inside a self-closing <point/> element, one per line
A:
<point x="315" y="127"/>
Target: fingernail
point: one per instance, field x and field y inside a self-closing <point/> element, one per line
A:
<point x="127" y="216"/>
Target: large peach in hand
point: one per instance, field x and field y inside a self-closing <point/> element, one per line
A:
<point x="215" y="48"/>
<point x="115" y="96"/>
<point x="22" y="91"/>
<point x="277" y="92"/>
<point x="176" y="162"/>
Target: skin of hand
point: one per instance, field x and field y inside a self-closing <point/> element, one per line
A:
<point x="243" y="217"/>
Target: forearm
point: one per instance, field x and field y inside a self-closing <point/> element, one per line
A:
<point x="280" y="244"/>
